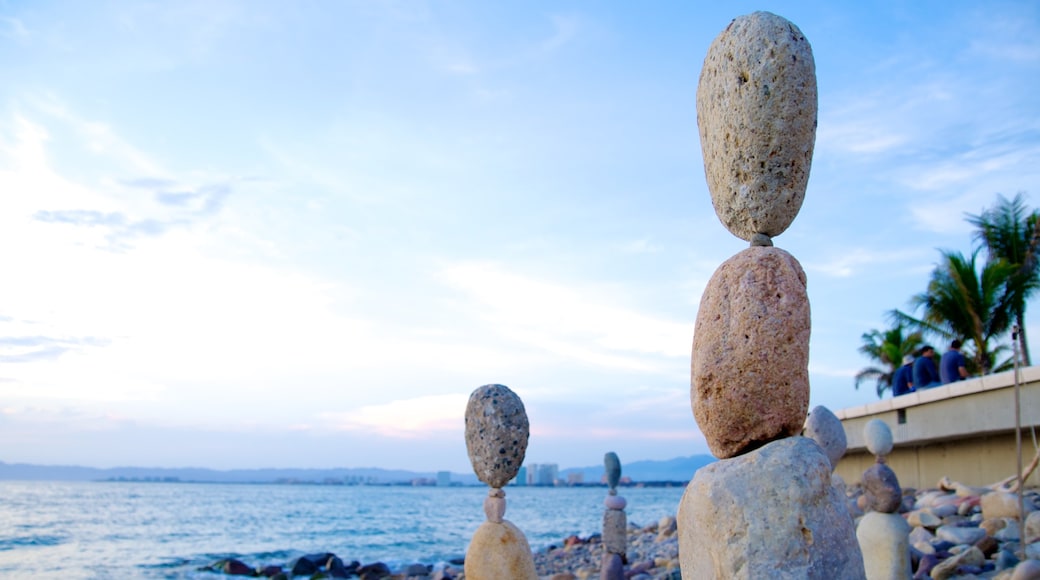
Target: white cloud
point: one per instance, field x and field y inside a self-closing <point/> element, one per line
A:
<point x="413" y="418"/>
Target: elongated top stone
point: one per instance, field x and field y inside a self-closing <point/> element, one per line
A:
<point x="496" y="434"/>
<point x="612" y="465"/>
<point x="756" y="111"/>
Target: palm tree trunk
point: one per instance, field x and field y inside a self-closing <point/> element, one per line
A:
<point x="1023" y="344"/>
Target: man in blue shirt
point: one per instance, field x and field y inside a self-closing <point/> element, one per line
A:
<point x="951" y="365"/>
<point x="902" y="382"/>
<point x="925" y="375"/>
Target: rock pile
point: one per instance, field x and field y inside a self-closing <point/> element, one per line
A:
<point x="615" y="523"/>
<point x="496" y="440"/>
<point x="768" y="508"/>
<point x="883" y="534"/>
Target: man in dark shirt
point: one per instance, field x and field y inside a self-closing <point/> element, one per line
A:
<point x="925" y="375"/>
<point x="902" y="382"/>
<point x="951" y="365"/>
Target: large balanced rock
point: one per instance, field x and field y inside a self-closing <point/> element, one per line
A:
<point x="496" y="434"/>
<point x="885" y="541"/>
<point x="881" y="489"/>
<point x="497" y="551"/>
<point x="825" y="428"/>
<point x="771" y="513"/>
<point x="750" y="375"/>
<point x="756" y="110"/>
<point x="878" y="437"/>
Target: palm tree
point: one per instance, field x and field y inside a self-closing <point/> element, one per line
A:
<point x="888" y="348"/>
<point x="962" y="302"/>
<point x="1009" y="231"/>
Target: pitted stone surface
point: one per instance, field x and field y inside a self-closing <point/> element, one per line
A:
<point x="881" y="488"/>
<point x="612" y="465"/>
<point x="878" y="437"/>
<point x="756" y="111"/>
<point x="496" y="434"/>
<point x="770" y="513"/>
<point x="750" y="376"/>
<point x="615" y="531"/>
<point x="824" y="427"/>
<point x="497" y="551"/>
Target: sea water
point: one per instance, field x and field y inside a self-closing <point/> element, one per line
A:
<point x="170" y="530"/>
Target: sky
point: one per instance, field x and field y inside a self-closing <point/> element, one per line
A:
<point x="300" y="234"/>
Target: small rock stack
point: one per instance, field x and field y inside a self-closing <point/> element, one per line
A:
<point x="768" y="509"/>
<point x="883" y="534"/>
<point x="615" y="523"/>
<point x="496" y="440"/>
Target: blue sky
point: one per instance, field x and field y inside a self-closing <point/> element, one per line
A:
<point x="247" y="234"/>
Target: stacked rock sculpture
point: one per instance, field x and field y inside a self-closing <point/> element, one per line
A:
<point x="496" y="440"/>
<point x="615" y="523"/>
<point x="825" y="428"/>
<point x="883" y="534"/>
<point x="767" y="509"/>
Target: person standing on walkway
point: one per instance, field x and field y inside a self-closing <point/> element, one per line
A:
<point x="925" y="375"/>
<point x="951" y="365"/>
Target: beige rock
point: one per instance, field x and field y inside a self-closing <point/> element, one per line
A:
<point x="615" y="531"/>
<point x="884" y="540"/>
<point x="1027" y="570"/>
<point x="948" y="567"/>
<point x="1032" y="527"/>
<point x="497" y="551"/>
<point x="770" y="513"/>
<point x="756" y="111"/>
<point x="750" y="378"/>
<point x="1002" y="504"/>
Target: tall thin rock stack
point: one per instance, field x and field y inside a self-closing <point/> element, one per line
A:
<point x="767" y="509"/>
<point x="496" y="440"/>
<point x="615" y="523"/>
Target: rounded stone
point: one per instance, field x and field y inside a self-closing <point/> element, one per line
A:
<point x="884" y="540"/>
<point x="881" y="488"/>
<point x="499" y="550"/>
<point x="824" y="427"/>
<point x="750" y="376"/>
<point x="756" y="112"/>
<point x="878" y="437"/>
<point x="612" y="466"/>
<point x="496" y="434"/>
<point x="615" y="502"/>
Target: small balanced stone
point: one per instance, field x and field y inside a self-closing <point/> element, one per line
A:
<point x="824" y="427"/>
<point x="881" y="489"/>
<point x="496" y="434"/>
<point x="612" y="467"/>
<point x="756" y="111"/>
<point x="878" y="437"/>
<point x="750" y="366"/>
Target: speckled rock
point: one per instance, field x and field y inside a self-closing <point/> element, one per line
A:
<point x="750" y="377"/>
<point x="615" y="531"/>
<point x="771" y="513"/>
<point x="878" y="437"/>
<point x="756" y="111"/>
<point x="884" y="539"/>
<point x="612" y="466"/>
<point x="824" y="427"/>
<point x="881" y="488"/>
<point x="496" y="434"/>
<point x="499" y="550"/>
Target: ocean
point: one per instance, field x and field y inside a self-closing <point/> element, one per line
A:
<point x="103" y="530"/>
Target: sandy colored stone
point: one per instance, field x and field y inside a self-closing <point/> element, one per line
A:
<point x="756" y="111"/>
<point x="497" y="551"/>
<point x="1002" y="504"/>
<point x="825" y="428"/>
<point x="770" y="513"/>
<point x="750" y="378"/>
<point x="496" y="434"/>
<point x="884" y="540"/>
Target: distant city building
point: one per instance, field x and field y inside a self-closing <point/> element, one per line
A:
<point x="547" y="474"/>
<point x="575" y="478"/>
<point x="532" y="474"/>
<point x="443" y="478"/>
<point x="521" y="476"/>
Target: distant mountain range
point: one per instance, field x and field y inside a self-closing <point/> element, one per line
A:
<point x="680" y="469"/>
